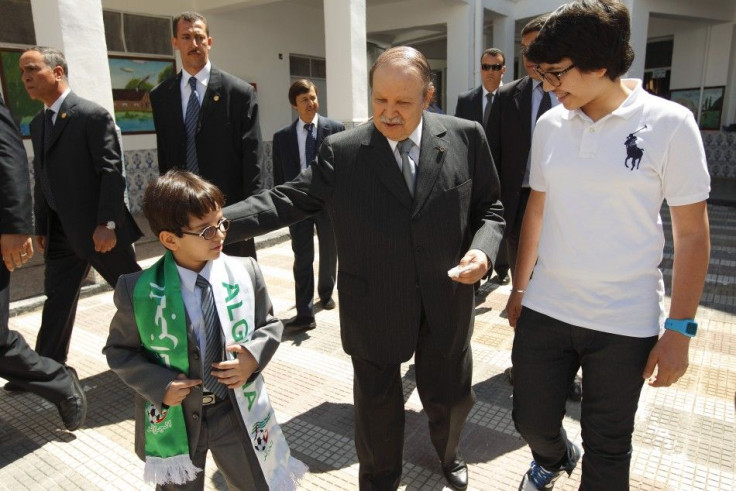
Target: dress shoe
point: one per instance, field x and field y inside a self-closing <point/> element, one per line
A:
<point x="502" y="280"/>
<point x="509" y="372"/>
<point x="301" y="323"/>
<point x="456" y="473"/>
<point x="73" y="409"/>
<point x="13" y="388"/>
<point x="328" y="304"/>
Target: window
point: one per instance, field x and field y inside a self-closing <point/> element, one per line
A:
<point x="307" y="67"/>
<point x="133" y="33"/>
<point x="16" y="22"/>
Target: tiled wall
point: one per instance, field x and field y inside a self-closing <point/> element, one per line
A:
<point x="720" y="150"/>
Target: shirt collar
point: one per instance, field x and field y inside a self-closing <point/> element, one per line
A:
<point x="415" y="136"/>
<point x="315" y="122"/>
<point x="59" y="101"/>
<point x="189" y="278"/>
<point x="202" y="76"/>
<point x="630" y="106"/>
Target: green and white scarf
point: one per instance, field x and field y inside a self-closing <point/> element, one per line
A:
<point x="161" y="318"/>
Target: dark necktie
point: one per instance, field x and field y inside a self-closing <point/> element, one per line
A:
<point x="48" y="128"/>
<point x="190" y="125"/>
<point x="544" y="104"/>
<point x="213" y="343"/>
<point x="407" y="165"/>
<point x="310" y="147"/>
<point x="487" y="110"/>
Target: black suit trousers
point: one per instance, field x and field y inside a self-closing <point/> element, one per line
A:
<point x="444" y="386"/>
<point x="302" y="243"/>
<point x="20" y="364"/>
<point x="65" y="272"/>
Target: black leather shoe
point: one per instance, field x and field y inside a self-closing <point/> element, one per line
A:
<point x="73" y="409"/>
<point x="301" y="323"/>
<point x="328" y="304"/>
<point x="456" y="473"/>
<point x="13" y="388"/>
<point x="502" y="280"/>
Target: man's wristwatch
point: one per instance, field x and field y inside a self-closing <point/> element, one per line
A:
<point x="110" y="225"/>
<point x="688" y="327"/>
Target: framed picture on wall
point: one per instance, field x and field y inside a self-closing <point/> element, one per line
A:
<point x="710" y="112"/>
<point x="20" y="104"/>
<point x="132" y="81"/>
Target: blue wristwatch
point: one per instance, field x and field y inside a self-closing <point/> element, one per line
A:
<point x="688" y="327"/>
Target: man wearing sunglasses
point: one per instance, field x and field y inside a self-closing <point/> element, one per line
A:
<point x="475" y="105"/>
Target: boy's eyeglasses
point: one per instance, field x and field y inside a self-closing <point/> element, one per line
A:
<point x="553" y="78"/>
<point x="495" y="67"/>
<point x="209" y="232"/>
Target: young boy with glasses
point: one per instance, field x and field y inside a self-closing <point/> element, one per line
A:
<point x="191" y="336"/>
<point x="602" y="165"/>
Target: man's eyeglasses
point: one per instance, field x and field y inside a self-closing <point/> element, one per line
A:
<point x="208" y="233"/>
<point x="553" y="78"/>
<point x="495" y="67"/>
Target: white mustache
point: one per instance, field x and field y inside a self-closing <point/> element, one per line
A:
<point x="396" y="120"/>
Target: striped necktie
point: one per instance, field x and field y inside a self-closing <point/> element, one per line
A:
<point x="190" y="125"/>
<point x="213" y="340"/>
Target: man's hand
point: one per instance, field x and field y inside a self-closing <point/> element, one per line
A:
<point x="179" y="389"/>
<point x="40" y="243"/>
<point x="16" y="250"/>
<point x="234" y="373"/>
<point x="670" y="356"/>
<point x="473" y="266"/>
<point x="104" y="239"/>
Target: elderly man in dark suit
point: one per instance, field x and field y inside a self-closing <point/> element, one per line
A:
<point x="475" y="105"/>
<point x="294" y="147"/>
<point x="18" y="362"/>
<point x="411" y="196"/>
<point x="207" y="121"/>
<point x="81" y="217"/>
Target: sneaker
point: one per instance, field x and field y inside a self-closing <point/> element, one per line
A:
<point x="539" y="478"/>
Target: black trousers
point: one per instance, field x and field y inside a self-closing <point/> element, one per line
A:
<point x="444" y="386"/>
<point x="302" y="243"/>
<point x="63" y="277"/>
<point x="546" y="355"/>
<point x="21" y="365"/>
<point x="511" y="242"/>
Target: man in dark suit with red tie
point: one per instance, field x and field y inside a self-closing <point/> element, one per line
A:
<point x="81" y="217"/>
<point x="207" y="121"/>
<point x="411" y="195"/>
<point x="294" y="148"/>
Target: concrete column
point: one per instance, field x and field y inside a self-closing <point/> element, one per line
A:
<point x="639" y="13"/>
<point x="504" y="29"/>
<point x="345" y="50"/>
<point x="75" y="27"/>
<point x="464" y="41"/>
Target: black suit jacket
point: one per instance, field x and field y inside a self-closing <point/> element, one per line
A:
<point x="470" y="105"/>
<point x="228" y="134"/>
<point x="509" y="133"/>
<point x="85" y="173"/>
<point x="286" y="160"/>
<point x="394" y="250"/>
<point x="15" y="191"/>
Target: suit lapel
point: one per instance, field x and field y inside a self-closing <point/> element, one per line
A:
<point x="523" y="98"/>
<point x="294" y="160"/>
<point x="212" y="97"/>
<point x="432" y="152"/>
<point x="37" y="135"/>
<point x="478" y="105"/>
<point x="381" y="160"/>
<point x="66" y="112"/>
<point x="173" y="100"/>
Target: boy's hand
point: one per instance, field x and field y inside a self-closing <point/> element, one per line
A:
<point x="234" y="373"/>
<point x="179" y="389"/>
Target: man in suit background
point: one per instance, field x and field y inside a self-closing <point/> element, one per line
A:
<point x="510" y="128"/>
<point x="410" y="195"/>
<point x="475" y="105"/>
<point x="81" y="217"/>
<point x="213" y="130"/>
<point x="294" y="148"/>
<point x="18" y="362"/>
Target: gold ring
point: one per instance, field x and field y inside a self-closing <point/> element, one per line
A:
<point x="23" y="254"/>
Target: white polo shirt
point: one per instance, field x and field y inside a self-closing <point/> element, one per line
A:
<point x="602" y="240"/>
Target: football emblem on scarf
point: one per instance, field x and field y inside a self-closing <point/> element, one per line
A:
<point x="260" y="440"/>
<point x="155" y="416"/>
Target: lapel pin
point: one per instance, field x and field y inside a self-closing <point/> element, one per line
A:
<point x="441" y="149"/>
<point x="63" y="115"/>
<point x="216" y="98"/>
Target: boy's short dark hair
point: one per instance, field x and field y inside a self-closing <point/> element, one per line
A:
<point x="594" y="34"/>
<point x="299" y="87"/>
<point x="173" y="198"/>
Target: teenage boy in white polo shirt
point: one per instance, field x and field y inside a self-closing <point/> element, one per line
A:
<point x="601" y="167"/>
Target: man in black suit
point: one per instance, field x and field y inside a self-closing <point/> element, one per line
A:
<point x="294" y="148"/>
<point x="18" y="362"/>
<point x="475" y="105"/>
<point x="213" y="130"/>
<point x="410" y="195"/>
<point x="81" y="217"/>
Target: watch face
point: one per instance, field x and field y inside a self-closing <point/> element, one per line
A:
<point x="691" y="328"/>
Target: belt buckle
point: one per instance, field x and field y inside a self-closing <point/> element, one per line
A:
<point x="208" y="398"/>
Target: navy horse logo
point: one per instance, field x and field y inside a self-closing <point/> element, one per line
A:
<point x="632" y="151"/>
